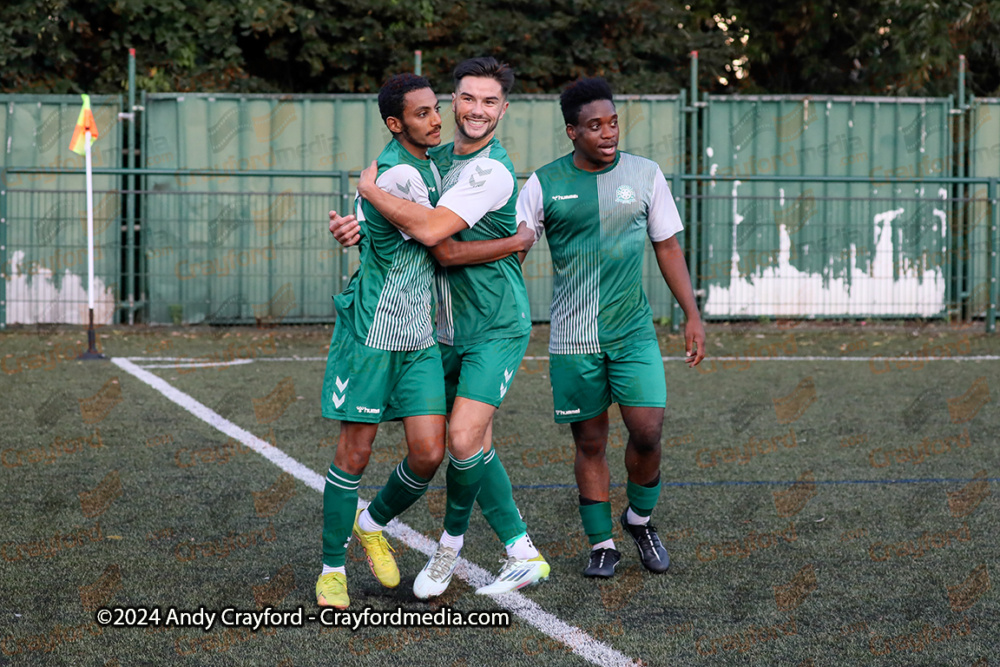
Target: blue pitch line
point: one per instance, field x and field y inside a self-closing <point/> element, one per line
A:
<point x="760" y="483"/>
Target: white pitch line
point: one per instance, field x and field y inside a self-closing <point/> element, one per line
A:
<point x="202" y="359"/>
<point x="981" y="357"/>
<point x="207" y="364"/>
<point x="214" y="419"/>
<point x="579" y="641"/>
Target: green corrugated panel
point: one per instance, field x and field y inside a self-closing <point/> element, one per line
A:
<point x="534" y="134"/>
<point x="45" y="263"/>
<point x="282" y="220"/>
<point x="984" y="161"/>
<point x="320" y="134"/>
<point x="825" y="248"/>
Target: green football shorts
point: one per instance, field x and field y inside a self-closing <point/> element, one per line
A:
<point x="585" y="385"/>
<point x="365" y="384"/>
<point x="482" y="372"/>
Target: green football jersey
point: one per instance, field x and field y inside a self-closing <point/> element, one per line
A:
<point x="597" y="224"/>
<point x="484" y="301"/>
<point x="387" y="303"/>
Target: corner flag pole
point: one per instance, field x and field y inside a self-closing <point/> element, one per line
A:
<point x="86" y="130"/>
<point x="90" y="244"/>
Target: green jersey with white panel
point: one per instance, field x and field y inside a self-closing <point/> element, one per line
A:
<point x="484" y="301"/>
<point x="597" y="224"/>
<point x="387" y="304"/>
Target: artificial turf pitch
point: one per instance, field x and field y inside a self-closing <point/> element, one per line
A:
<point x="822" y="512"/>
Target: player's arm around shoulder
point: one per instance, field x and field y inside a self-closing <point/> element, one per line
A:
<point x="483" y="185"/>
<point x="428" y="226"/>
<point x="452" y="252"/>
<point x="402" y="180"/>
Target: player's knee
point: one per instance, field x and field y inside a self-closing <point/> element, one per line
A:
<point x="424" y="458"/>
<point x="591" y="447"/>
<point x="464" y="443"/>
<point x="645" y="441"/>
<point x="354" y="459"/>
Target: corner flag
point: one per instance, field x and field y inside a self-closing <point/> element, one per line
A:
<point x="84" y="123"/>
<point x="84" y="135"/>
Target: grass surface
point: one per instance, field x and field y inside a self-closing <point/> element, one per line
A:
<point x="805" y="506"/>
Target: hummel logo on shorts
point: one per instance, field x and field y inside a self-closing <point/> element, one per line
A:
<point x="369" y="411"/>
<point x="568" y="412"/>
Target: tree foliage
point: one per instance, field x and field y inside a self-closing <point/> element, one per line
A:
<point x="894" y="47"/>
<point x="870" y="47"/>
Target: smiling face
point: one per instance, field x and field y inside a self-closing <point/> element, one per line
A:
<point x="479" y="104"/>
<point x="595" y="135"/>
<point x="420" y="126"/>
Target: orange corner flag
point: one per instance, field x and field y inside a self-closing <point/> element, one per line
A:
<point x="83" y="123"/>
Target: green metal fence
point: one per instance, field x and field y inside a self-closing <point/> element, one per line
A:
<point x="837" y="240"/>
<point x="225" y="256"/>
<point x="976" y="226"/>
<point x="277" y="154"/>
<point x="794" y="206"/>
<point x="43" y="216"/>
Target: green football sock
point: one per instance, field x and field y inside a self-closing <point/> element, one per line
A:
<point x="642" y="499"/>
<point x="596" y="520"/>
<point x="496" y="500"/>
<point x="463" y="480"/>
<point x="340" y="504"/>
<point x="402" y="490"/>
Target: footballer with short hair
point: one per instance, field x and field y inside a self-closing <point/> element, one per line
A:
<point x="483" y="321"/>
<point x="597" y="205"/>
<point x="384" y="362"/>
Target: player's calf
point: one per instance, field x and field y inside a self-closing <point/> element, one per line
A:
<point x="596" y="518"/>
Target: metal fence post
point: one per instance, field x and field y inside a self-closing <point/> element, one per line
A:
<point x="143" y="268"/>
<point x="695" y="157"/>
<point x="4" y="277"/>
<point x="992" y="268"/>
<point x="676" y="185"/>
<point x="130" y="194"/>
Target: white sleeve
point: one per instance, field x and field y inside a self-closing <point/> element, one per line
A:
<point x="662" y="219"/>
<point x="531" y="206"/>
<point x="484" y="185"/>
<point x="405" y="182"/>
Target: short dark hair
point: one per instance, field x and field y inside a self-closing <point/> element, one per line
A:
<point x="391" y="96"/>
<point x="581" y="92"/>
<point x="488" y="67"/>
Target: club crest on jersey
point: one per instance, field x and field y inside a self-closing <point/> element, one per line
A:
<point x="625" y="194"/>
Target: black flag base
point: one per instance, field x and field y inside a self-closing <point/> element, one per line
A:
<point x="91" y="353"/>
